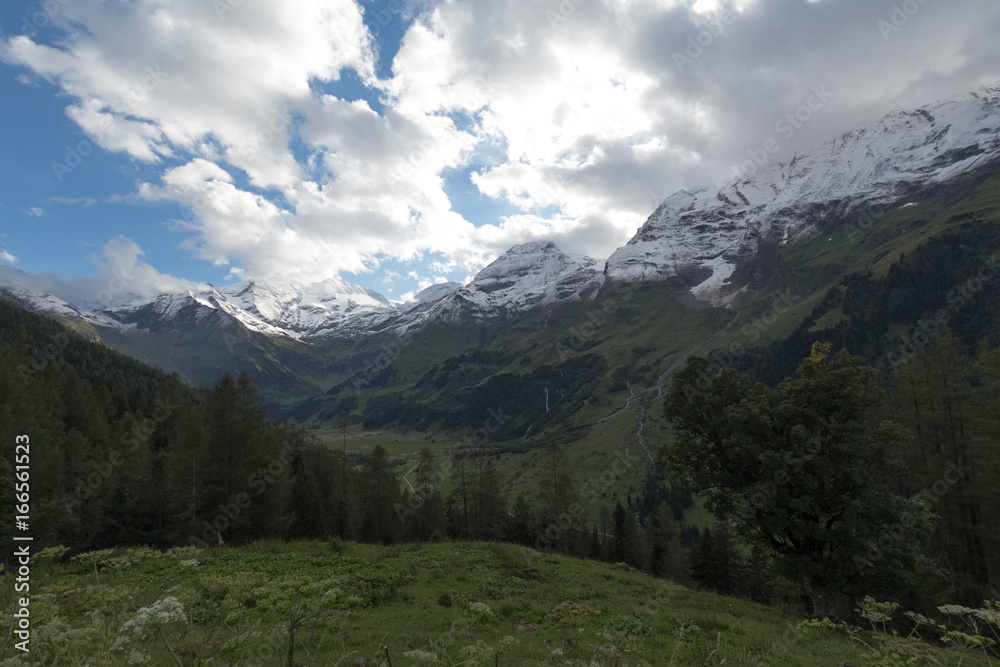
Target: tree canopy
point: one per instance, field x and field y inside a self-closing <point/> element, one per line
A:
<point x="807" y="470"/>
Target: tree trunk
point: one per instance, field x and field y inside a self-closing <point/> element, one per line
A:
<point x="823" y="602"/>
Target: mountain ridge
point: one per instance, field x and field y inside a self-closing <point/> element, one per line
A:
<point x="707" y="231"/>
<point x="708" y="248"/>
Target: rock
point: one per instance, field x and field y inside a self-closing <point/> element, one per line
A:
<point x="524" y="625"/>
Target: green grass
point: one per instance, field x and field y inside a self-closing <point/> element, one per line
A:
<point x="436" y="604"/>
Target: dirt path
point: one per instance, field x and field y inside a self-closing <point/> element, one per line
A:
<point x="658" y="388"/>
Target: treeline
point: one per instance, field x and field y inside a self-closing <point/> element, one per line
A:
<point x="121" y="454"/>
<point x="950" y="403"/>
<point x="948" y="400"/>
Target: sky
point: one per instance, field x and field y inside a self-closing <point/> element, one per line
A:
<point x="160" y="144"/>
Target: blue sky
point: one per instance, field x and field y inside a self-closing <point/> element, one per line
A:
<point x="399" y="143"/>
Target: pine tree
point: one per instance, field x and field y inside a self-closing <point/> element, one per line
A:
<point x="428" y="521"/>
<point x="306" y="505"/>
<point x="522" y="526"/>
<point x="381" y="492"/>
<point x="626" y="538"/>
<point x="659" y="531"/>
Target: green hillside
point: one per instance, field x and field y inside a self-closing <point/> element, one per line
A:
<point x="333" y="603"/>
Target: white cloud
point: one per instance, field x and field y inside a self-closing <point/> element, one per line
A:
<point x="122" y="275"/>
<point x="7" y="257"/>
<point x="34" y="212"/>
<point x="586" y="117"/>
<point x="85" y="202"/>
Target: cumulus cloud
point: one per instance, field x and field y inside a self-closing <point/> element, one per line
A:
<point x="578" y="116"/>
<point x="7" y="257"/>
<point x="122" y="275"/>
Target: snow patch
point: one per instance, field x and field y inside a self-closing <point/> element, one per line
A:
<point x="722" y="271"/>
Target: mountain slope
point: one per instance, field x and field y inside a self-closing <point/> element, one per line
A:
<point x="704" y="235"/>
<point x="709" y="262"/>
<point x="524" y="277"/>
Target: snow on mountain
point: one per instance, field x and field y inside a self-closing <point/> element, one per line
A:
<point x="700" y="235"/>
<point x="40" y="302"/>
<point x="275" y="307"/>
<point x="705" y="233"/>
<point x="527" y="275"/>
<point x="436" y="292"/>
<point x="304" y="309"/>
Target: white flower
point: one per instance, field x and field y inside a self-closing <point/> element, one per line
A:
<point x="423" y="657"/>
<point x="137" y="658"/>
<point x="481" y="609"/>
<point x="161" y="612"/>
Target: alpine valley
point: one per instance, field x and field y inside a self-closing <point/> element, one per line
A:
<point x="542" y="344"/>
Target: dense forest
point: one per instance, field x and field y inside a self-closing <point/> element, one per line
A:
<point x="125" y="455"/>
<point x="949" y="281"/>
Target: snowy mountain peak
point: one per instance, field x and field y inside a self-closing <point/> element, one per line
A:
<point x="704" y="233"/>
<point x="701" y="235"/>
<point x="527" y="263"/>
<point x="527" y="275"/>
<point x="303" y="309"/>
<point x="436" y="292"/>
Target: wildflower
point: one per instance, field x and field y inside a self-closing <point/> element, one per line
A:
<point x="162" y="612"/>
